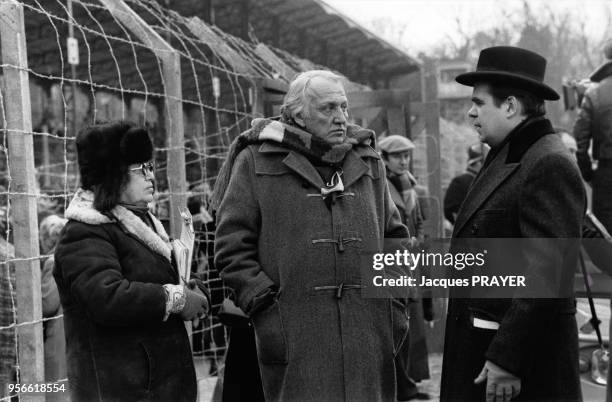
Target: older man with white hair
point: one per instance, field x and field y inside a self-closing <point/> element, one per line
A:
<point x="298" y="200"/>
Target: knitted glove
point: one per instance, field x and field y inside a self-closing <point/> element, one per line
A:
<point x="196" y="305"/>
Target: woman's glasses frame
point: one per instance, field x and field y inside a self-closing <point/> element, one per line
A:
<point x="145" y="168"/>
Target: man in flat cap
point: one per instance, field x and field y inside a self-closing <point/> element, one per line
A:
<point x="522" y="347"/>
<point x="411" y="363"/>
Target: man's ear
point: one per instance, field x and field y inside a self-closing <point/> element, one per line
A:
<point x="513" y="106"/>
<point x="299" y="119"/>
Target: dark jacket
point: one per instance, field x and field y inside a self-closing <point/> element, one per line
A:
<point x="110" y="272"/>
<point x="455" y="194"/>
<point x="594" y="123"/>
<point x="412" y="360"/>
<point x="412" y="216"/>
<point x="530" y="188"/>
<point x="316" y="341"/>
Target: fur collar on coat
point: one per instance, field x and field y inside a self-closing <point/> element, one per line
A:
<point x="81" y="209"/>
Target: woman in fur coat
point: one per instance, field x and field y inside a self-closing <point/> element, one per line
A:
<point x="124" y="303"/>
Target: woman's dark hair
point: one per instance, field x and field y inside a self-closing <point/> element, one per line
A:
<point x="105" y="152"/>
<point x="107" y="194"/>
<point x="532" y="105"/>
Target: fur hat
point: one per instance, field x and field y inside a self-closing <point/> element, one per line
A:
<point x="106" y="150"/>
<point x="513" y="66"/>
<point x="395" y="143"/>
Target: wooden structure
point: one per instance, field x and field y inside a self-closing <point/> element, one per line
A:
<point x="16" y="104"/>
<point x="256" y="75"/>
<point x="311" y="30"/>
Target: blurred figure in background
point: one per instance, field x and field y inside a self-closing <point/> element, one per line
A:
<point x="411" y="361"/>
<point x="53" y="330"/>
<point x="458" y="187"/>
<point x="598" y="248"/>
<point x="594" y="127"/>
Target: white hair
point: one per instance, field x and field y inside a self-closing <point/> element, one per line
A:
<point x="297" y="95"/>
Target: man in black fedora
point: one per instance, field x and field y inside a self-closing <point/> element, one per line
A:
<point x="520" y="348"/>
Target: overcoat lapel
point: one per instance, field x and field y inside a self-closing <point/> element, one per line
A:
<point x="354" y="167"/>
<point x="484" y="185"/>
<point x="396" y="197"/>
<point x="300" y="165"/>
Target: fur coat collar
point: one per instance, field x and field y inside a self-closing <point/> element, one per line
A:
<point x="81" y="209"/>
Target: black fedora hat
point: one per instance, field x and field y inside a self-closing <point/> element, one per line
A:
<point x="512" y="66"/>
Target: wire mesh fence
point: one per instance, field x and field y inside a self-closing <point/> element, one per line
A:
<point x="191" y="85"/>
<point x="70" y="63"/>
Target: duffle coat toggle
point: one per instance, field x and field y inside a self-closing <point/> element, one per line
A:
<point x="340" y="243"/>
<point x="338" y="288"/>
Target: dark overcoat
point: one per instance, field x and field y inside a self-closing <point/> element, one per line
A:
<point x="455" y="194"/>
<point x="412" y="361"/>
<point x="318" y="341"/>
<point x="530" y="188"/>
<point x="110" y="272"/>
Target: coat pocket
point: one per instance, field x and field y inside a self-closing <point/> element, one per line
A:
<point x="270" y="336"/>
<point x="399" y="324"/>
<point x="149" y="367"/>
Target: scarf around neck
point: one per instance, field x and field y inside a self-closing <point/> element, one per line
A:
<point x="404" y="183"/>
<point x="294" y="139"/>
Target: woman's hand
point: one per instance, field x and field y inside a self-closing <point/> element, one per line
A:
<point x="196" y="305"/>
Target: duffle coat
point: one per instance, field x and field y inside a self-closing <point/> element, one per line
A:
<point x="110" y="273"/>
<point x="320" y="340"/>
<point x="529" y="188"/>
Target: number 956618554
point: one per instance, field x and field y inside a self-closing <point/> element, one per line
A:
<point x="36" y="388"/>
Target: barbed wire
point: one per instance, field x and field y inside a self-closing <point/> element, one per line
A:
<point x="117" y="69"/>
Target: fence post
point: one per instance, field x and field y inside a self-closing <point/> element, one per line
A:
<point x="22" y="198"/>
<point x="171" y="71"/>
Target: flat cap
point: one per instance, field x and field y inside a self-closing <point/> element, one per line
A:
<point x="395" y="143"/>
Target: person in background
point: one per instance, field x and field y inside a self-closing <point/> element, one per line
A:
<point x="53" y="329"/>
<point x="412" y="360"/>
<point x="594" y="127"/>
<point x="209" y="336"/>
<point x="459" y="185"/>
<point x="124" y="305"/>
<point x="297" y="201"/>
<point x="598" y="248"/>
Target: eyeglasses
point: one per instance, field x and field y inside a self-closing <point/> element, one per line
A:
<point x="145" y="168"/>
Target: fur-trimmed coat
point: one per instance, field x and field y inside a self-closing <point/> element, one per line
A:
<point x="110" y="272"/>
<point x="530" y="189"/>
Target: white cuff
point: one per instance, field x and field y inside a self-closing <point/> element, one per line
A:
<point x="175" y="299"/>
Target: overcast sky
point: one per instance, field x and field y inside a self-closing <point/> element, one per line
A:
<point x="430" y="21"/>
